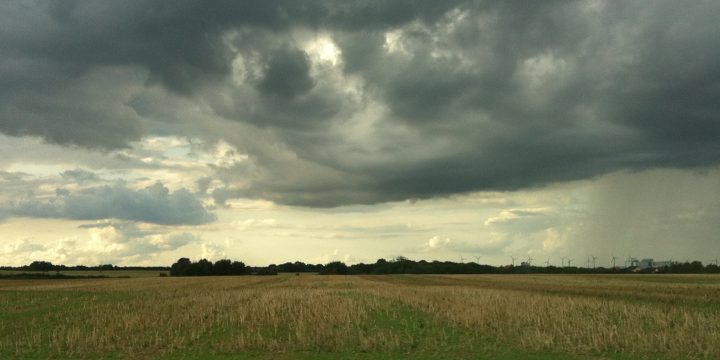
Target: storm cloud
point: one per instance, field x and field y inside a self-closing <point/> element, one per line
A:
<point x="339" y="103"/>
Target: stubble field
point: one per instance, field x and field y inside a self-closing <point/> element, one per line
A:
<point x="364" y="317"/>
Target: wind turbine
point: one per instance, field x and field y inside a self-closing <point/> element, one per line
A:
<point x="562" y="261"/>
<point x="477" y="258"/>
<point x="594" y="258"/>
<point x="569" y="262"/>
<point x="613" y="260"/>
<point x="513" y="260"/>
<point x="547" y="262"/>
<point x="587" y="262"/>
<point x="462" y="259"/>
<point x="529" y="260"/>
<point x="630" y="261"/>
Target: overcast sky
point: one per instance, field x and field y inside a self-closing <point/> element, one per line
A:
<point x="138" y="132"/>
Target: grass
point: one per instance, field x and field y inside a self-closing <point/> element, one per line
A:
<point x="370" y="317"/>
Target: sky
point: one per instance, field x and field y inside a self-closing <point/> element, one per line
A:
<point x="139" y="132"/>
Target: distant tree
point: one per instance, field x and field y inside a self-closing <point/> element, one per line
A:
<point x="238" y="268"/>
<point x="222" y="267"/>
<point x="106" y="267"/>
<point x="381" y="267"/>
<point x="203" y="268"/>
<point x="40" y="266"/>
<point x="693" y="267"/>
<point x="712" y="268"/>
<point x="335" y="268"/>
<point x="185" y="267"/>
<point x="181" y="267"/>
<point x="295" y="267"/>
<point x="300" y="266"/>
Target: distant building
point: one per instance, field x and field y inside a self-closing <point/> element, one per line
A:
<point x="646" y="264"/>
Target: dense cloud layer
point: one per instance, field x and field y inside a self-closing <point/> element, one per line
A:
<point x="363" y="102"/>
<point x="154" y="204"/>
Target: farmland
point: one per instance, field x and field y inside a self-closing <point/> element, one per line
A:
<point x="364" y="317"/>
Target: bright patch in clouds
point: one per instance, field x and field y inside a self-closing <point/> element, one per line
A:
<point x="324" y="49"/>
<point x="438" y="241"/>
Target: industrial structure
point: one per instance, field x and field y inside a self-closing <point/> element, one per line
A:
<point x="649" y="264"/>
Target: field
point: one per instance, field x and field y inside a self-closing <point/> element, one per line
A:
<point x="364" y="317"/>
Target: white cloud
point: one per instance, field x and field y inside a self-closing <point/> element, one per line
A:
<point x="438" y="241"/>
<point x="106" y="242"/>
<point x="212" y="251"/>
<point x="323" y="49"/>
<point x="255" y="223"/>
<point x="24" y="251"/>
<point x="510" y="215"/>
<point x="335" y="255"/>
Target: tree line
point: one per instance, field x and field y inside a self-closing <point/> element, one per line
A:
<point x="403" y="265"/>
<point x="399" y="265"/>
<point x="44" y="266"/>
<point x="204" y="267"/>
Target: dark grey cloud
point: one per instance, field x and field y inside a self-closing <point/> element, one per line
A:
<point x="49" y="48"/>
<point x="83" y="109"/>
<point x="429" y="99"/>
<point x="278" y="89"/>
<point x="287" y="74"/>
<point x="524" y="95"/>
<point x="154" y="204"/>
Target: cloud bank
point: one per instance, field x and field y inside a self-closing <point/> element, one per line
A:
<point x="106" y="242"/>
<point x="153" y="204"/>
<point x="367" y="102"/>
